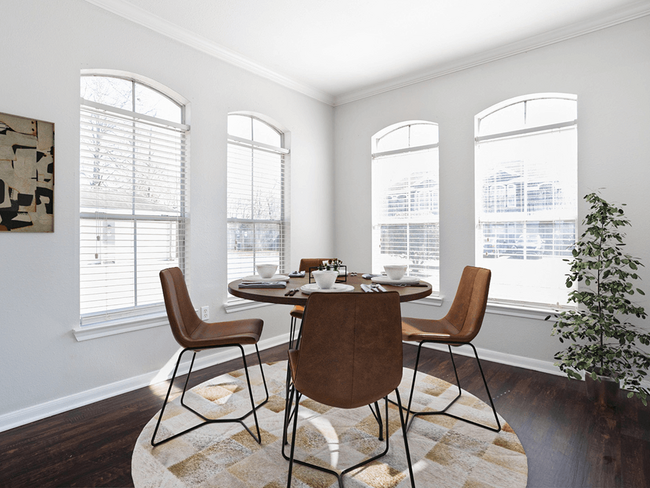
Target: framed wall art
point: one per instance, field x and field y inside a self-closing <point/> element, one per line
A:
<point x="26" y="174"/>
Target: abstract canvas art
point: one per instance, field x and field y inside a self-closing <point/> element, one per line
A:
<point x="26" y="174"/>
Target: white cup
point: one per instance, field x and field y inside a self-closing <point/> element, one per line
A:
<point x="325" y="279"/>
<point x="266" y="270"/>
<point x="395" y="271"/>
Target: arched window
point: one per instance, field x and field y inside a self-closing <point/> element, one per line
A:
<point x="526" y="196"/>
<point x="133" y="195"/>
<point x="405" y="223"/>
<point x="257" y="227"/>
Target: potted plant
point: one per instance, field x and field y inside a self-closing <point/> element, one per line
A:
<point x="602" y="342"/>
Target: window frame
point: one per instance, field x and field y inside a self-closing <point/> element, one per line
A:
<point x="504" y="306"/>
<point x="234" y="304"/>
<point x="125" y="319"/>
<point x="418" y="197"/>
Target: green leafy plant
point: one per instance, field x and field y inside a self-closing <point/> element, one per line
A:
<point x="602" y="340"/>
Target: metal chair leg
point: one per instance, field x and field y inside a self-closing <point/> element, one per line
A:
<point x="494" y="411"/>
<point x="444" y="410"/>
<point x="409" y="411"/>
<point x="206" y="420"/>
<point x="377" y="414"/>
<point x="293" y="435"/>
<point x="162" y="411"/>
<point x="406" y="441"/>
<point x="339" y="476"/>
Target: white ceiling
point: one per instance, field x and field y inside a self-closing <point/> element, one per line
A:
<point x="342" y="50"/>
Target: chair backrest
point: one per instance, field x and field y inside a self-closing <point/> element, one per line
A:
<point x="306" y="263"/>
<point x="180" y="311"/>
<point x="468" y="308"/>
<point x="350" y="349"/>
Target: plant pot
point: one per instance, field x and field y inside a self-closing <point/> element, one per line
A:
<point x="603" y="392"/>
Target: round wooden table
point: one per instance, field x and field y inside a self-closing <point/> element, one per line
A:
<point x="277" y="295"/>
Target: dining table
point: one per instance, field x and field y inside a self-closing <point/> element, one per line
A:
<point x="407" y="292"/>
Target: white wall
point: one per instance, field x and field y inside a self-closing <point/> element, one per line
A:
<point x="45" y="45"/>
<point x="609" y="71"/>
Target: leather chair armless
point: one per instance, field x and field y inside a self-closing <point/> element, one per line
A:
<point x="350" y="356"/>
<point x="459" y="327"/>
<point x="195" y="335"/>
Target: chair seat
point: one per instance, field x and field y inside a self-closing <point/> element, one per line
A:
<point x="297" y="311"/>
<point x="247" y="331"/>
<point x="414" y="329"/>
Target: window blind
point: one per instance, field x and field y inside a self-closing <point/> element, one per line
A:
<point x="526" y="201"/>
<point x="134" y="199"/>
<point x="405" y="220"/>
<point x="257" y="228"/>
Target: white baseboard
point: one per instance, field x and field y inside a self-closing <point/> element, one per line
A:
<point x="44" y="410"/>
<point x="501" y="357"/>
<point x="37" y="412"/>
<point x="509" y="359"/>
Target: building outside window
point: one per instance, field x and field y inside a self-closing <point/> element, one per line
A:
<point x="405" y="223"/>
<point x="257" y="196"/>
<point x="134" y="196"/>
<point x="526" y="196"/>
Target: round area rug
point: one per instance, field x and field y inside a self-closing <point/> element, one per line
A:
<point x="445" y="452"/>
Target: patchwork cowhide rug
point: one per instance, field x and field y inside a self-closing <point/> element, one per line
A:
<point x="445" y="452"/>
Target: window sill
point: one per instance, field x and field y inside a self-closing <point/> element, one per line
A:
<point x="539" y="312"/>
<point x="120" y="326"/>
<point x="239" y="305"/>
<point x="431" y="300"/>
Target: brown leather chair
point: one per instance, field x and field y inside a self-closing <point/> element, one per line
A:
<point x="298" y="310"/>
<point x="195" y="335"/>
<point x="350" y="356"/>
<point x="459" y="327"/>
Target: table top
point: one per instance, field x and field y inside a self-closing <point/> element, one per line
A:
<point x="276" y="295"/>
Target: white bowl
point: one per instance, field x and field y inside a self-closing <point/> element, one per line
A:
<point x="266" y="270"/>
<point x="325" y="279"/>
<point x="395" y="271"/>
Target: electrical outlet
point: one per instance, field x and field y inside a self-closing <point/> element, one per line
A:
<point x="205" y="312"/>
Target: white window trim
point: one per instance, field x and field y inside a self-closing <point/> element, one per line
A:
<point x="120" y="326"/>
<point x="91" y="326"/>
<point x="234" y="304"/>
<point x="522" y="310"/>
<point x="431" y="300"/>
<point x="515" y="308"/>
<point x="240" y="304"/>
<point x="132" y="115"/>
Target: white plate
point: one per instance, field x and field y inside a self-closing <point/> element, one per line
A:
<point x="336" y="287"/>
<point x="385" y="280"/>
<point x="277" y="277"/>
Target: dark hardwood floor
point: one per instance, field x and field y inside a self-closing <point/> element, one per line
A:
<point x="569" y="441"/>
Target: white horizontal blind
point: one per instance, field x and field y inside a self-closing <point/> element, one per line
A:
<point x="257" y="230"/>
<point x="134" y="201"/>
<point x="526" y="199"/>
<point x="405" y="191"/>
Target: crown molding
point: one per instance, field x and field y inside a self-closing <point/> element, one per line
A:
<point x="157" y="24"/>
<point x="125" y="9"/>
<point x="631" y="12"/>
